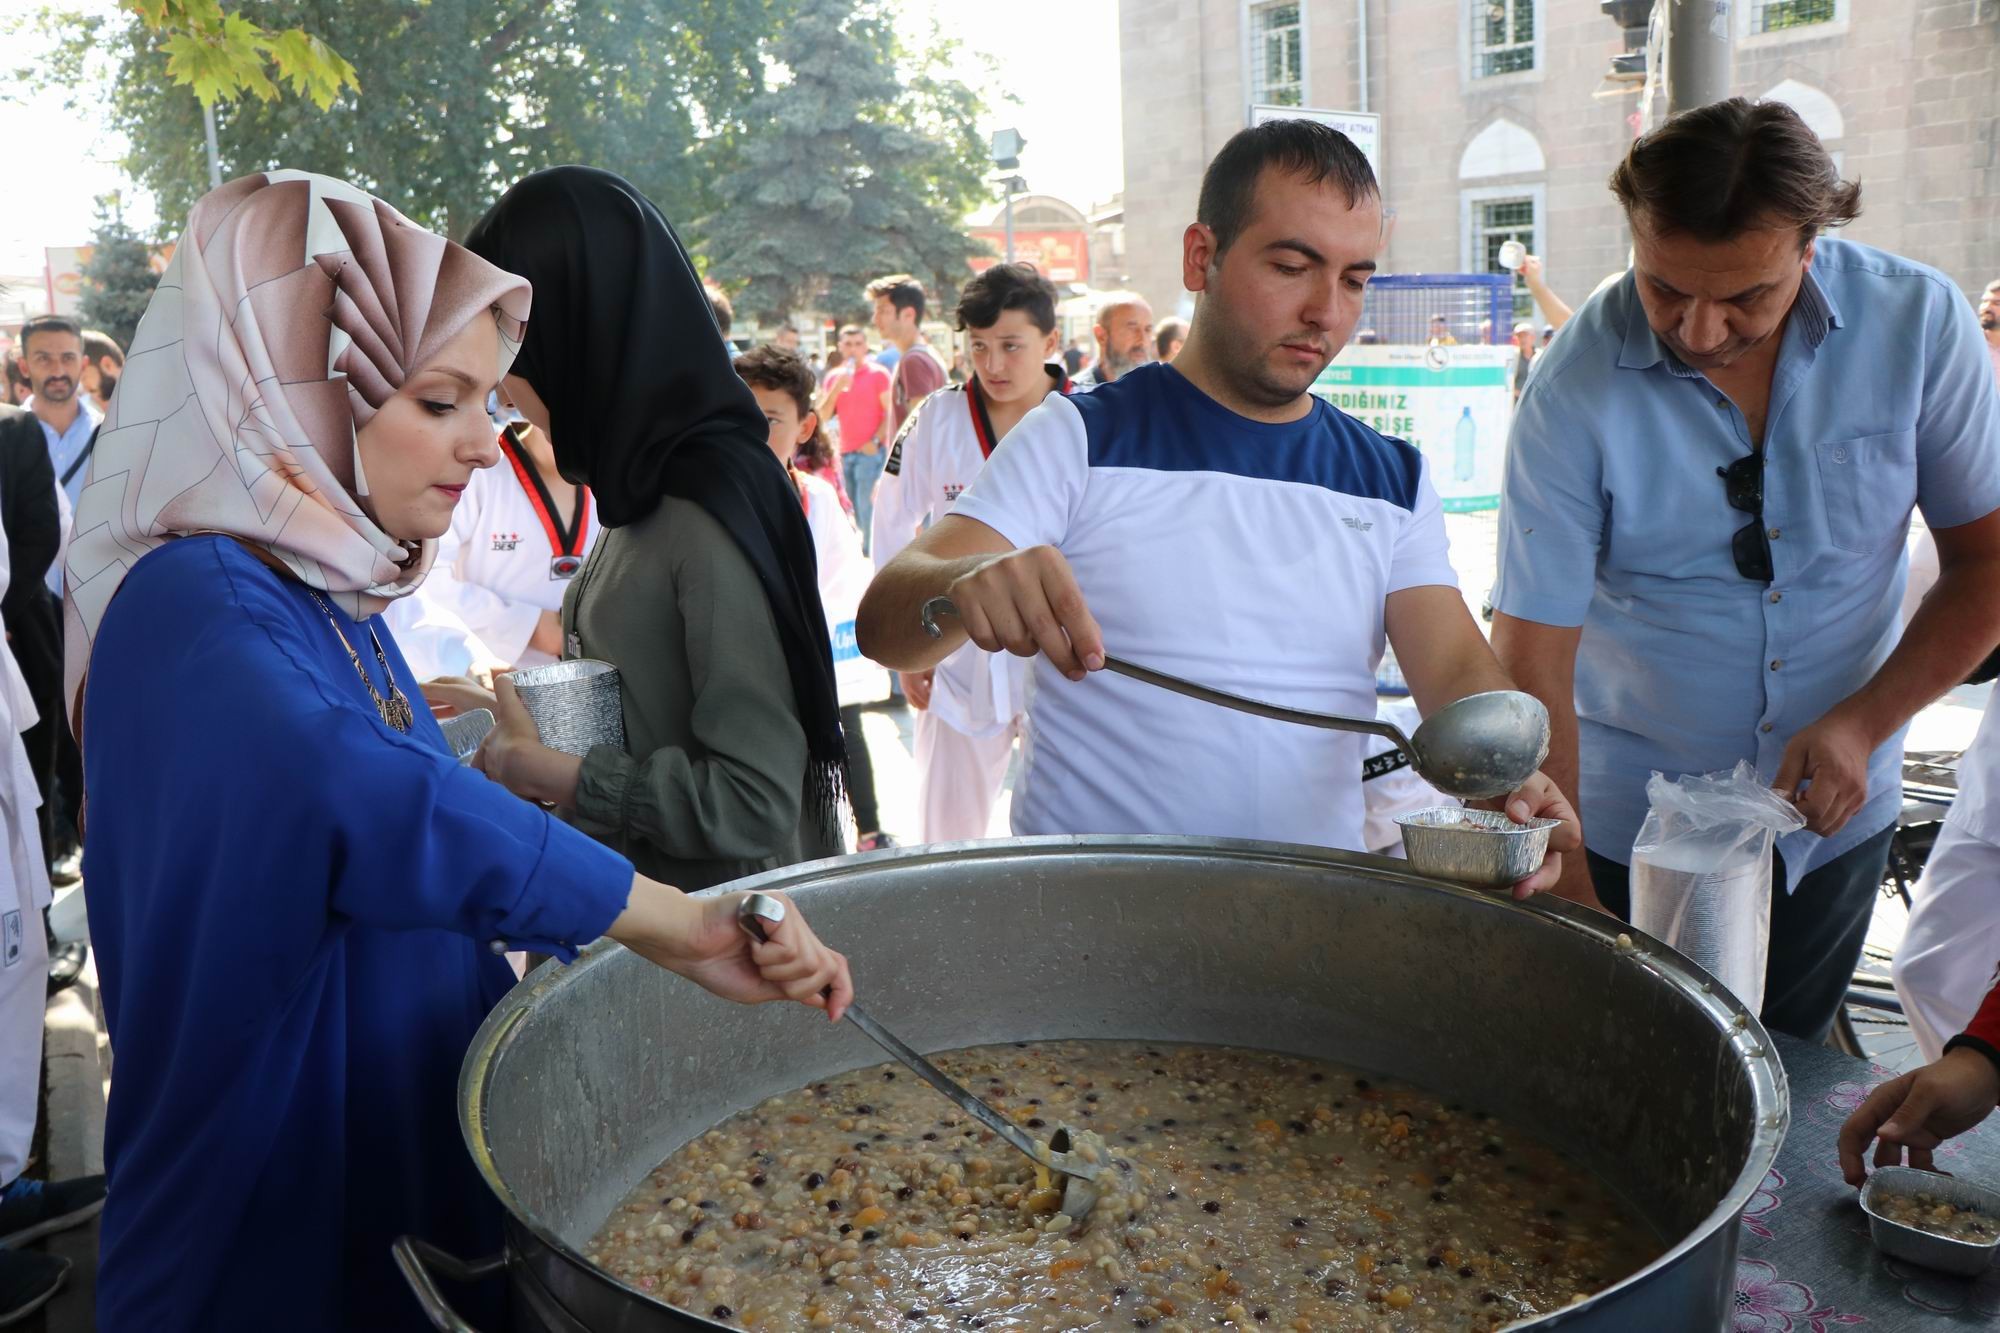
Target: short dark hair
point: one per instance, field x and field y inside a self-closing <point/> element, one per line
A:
<point x="50" y="324"/>
<point x="769" y="366"/>
<point x="1734" y="166"/>
<point x="1297" y="147"/>
<point x="1171" y="330"/>
<point x="904" y="292"/>
<point x="1005" y="287"/>
<point x="97" y="345"/>
<point x="725" y="314"/>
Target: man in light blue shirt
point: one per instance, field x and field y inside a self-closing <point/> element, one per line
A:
<point x="52" y="356"/>
<point x="1708" y="487"/>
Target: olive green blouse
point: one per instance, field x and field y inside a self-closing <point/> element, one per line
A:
<point x="710" y="786"/>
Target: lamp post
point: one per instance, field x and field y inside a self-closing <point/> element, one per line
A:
<point x="1006" y="151"/>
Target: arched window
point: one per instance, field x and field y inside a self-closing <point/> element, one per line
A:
<point x="1502" y="197"/>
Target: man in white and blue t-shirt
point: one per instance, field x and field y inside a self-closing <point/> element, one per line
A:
<point x="1224" y="525"/>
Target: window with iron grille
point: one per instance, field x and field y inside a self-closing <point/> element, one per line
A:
<point x="1503" y="37"/>
<point x="1494" y="223"/>
<point x="1778" y="15"/>
<point x="1277" y="61"/>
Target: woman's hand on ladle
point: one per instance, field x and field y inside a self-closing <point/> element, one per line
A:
<point x="1539" y="798"/>
<point x="700" y="939"/>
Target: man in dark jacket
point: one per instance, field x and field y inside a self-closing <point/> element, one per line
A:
<point x="33" y="525"/>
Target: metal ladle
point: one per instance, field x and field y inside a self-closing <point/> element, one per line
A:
<point x="1080" y="1187"/>
<point x="1481" y="746"/>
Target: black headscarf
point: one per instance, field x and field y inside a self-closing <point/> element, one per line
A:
<point x="644" y="403"/>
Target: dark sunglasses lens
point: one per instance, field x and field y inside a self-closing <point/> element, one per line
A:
<point x="1743" y="482"/>
<point x="1752" y="550"/>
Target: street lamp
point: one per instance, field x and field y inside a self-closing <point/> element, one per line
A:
<point x="1006" y="152"/>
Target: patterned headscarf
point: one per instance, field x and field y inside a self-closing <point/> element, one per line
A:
<point x="294" y="308"/>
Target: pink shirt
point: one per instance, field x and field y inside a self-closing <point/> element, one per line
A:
<point x="859" y="407"/>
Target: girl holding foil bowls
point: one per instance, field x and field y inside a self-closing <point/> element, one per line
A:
<point x="702" y="590"/>
<point x="295" y="892"/>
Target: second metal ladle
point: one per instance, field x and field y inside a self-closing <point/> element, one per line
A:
<point x="1080" y="1187"/>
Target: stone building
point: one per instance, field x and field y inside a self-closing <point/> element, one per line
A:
<point x="1500" y="119"/>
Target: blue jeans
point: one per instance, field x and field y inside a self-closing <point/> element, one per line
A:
<point x="861" y="471"/>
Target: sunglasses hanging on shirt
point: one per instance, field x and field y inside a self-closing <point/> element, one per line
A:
<point x="1743" y="483"/>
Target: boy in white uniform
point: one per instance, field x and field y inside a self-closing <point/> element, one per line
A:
<point x="969" y="706"/>
<point x="494" y="598"/>
<point x="1215" y="520"/>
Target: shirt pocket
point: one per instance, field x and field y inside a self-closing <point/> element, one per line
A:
<point x="1868" y="485"/>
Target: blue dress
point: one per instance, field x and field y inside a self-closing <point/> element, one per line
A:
<point x="292" y="906"/>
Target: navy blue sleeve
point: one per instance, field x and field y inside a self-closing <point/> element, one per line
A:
<point x="233" y="739"/>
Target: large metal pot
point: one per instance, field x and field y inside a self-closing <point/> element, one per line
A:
<point x="587" y="1076"/>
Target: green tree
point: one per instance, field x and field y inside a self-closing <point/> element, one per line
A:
<point x="455" y="98"/>
<point x="118" y="281"/>
<point x="860" y="158"/>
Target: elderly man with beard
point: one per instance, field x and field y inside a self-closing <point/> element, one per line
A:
<point x="1124" y="333"/>
<point x="1215" y="520"/>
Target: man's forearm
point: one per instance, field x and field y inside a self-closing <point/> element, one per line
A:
<point x="889" y="628"/>
<point x="1555" y="312"/>
<point x="1953" y="630"/>
<point x="1542" y="661"/>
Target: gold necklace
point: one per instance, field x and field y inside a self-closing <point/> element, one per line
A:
<point x="395" y="709"/>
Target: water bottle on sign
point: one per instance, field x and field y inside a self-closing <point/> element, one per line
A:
<point x="1467" y="446"/>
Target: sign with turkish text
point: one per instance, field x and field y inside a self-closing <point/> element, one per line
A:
<point x="1363" y="127"/>
<point x="1455" y="404"/>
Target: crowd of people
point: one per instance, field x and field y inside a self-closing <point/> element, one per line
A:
<point x="360" y="475"/>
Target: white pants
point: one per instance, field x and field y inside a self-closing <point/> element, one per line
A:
<point x="1947" y="960"/>
<point x="958" y="778"/>
<point x="24" y="962"/>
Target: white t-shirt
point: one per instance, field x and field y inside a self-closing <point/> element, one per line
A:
<point x="495" y="574"/>
<point x="941" y="449"/>
<point x="1251" y="557"/>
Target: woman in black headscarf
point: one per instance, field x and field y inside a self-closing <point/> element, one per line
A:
<point x="702" y="590"/>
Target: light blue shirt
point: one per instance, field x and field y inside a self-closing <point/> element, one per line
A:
<point x="1882" y="400"/>
<point x="65" y="447"/>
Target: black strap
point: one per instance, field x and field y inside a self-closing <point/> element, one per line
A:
<point x="88" y="446"/>
<point x="1382" y="765"/>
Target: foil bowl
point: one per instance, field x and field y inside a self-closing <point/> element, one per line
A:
<point x="575" y="704"/>
<point x="1482" y="847"/>
<point x="1898" y="1240"/>
<point x="464" y="732"/>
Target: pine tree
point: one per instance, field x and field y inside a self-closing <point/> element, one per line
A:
<point x="119" y="279"/>
<point x="856" y="161"/>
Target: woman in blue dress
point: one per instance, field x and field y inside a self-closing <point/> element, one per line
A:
<point x="296" y="894"/>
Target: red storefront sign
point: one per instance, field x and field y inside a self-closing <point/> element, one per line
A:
<point x="1061" y="256"/>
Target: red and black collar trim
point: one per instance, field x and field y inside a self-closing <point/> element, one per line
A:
<point x="982" y="422"/>
<point x="563" y="540"/>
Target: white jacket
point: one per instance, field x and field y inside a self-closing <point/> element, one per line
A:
<point x="935" y="457"/>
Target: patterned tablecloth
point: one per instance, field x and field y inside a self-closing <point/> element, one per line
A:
<point x="1806" y="1264"/>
